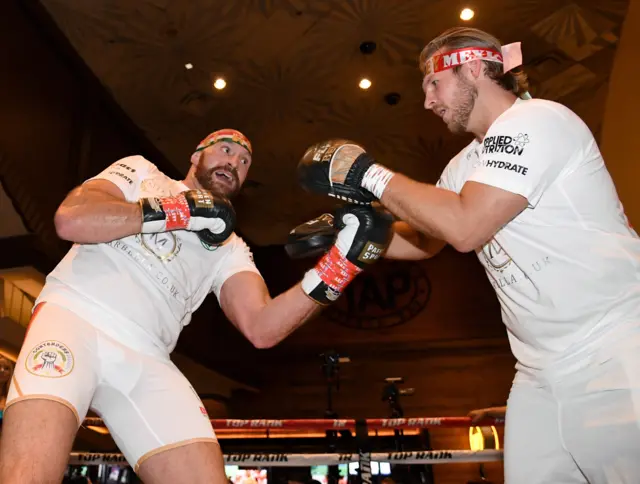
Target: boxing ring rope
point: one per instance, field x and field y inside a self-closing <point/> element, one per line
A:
<point x="339" y="424"/>
<point x="272" y="459"/>
<point x="277" y="459"/>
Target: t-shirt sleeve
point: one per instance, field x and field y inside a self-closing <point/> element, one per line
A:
<point x="525" y="151"/>
<point x="445" y="179"/>
<point x="127" y="174"/>
<point x="452" y="176"/>
<point x="239" y="259"/>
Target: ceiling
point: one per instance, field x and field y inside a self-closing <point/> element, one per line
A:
<point x="293" y="67"/>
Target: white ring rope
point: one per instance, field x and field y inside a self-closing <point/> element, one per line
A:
<point x="284" y="460"/>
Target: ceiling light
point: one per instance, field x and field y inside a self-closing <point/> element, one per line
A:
<point x="188" y="65"/>
<point x="219" y="83"/>
<point x="364" y="84"/>
<point x="467" y="14"/>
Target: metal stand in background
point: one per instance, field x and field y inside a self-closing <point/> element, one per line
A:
<point x="331" y="370"/>
<point x="482" y="479"/>
<point x="391" y="394"/>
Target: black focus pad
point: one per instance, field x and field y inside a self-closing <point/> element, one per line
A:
<point x="336" y="168"/>
<point x="312" y="238"/>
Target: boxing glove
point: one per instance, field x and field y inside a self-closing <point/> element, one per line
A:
<point x="364" y="233"/>
<point x="342" y="169"/>
<point x="212" y="216"/>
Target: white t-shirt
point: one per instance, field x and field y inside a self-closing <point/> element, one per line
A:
<point x="154" y="281"/>
<point x="566" y="270"/>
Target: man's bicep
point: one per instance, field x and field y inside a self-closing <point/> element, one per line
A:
<point x="487" y="209"/>
<point x="92" y="190"/>
<point x="242" y="296"/>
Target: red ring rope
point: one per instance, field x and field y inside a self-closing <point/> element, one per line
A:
<point x="340" y="424"/>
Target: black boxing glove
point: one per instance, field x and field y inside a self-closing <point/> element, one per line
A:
<point x="211" y="239"/>
<point x="212" y="216"/>
<point x="364" y="233"/>
<point x="312" y="238"/>
<point x="343" y="169"/>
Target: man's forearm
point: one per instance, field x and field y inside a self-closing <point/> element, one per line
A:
<point x="410" y="244"/>
<point x="432" y="210"/>
<point x="281" y="316"/>
<point x="98" y="217"/>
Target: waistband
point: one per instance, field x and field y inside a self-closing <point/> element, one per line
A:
<point x="609" y="343"/>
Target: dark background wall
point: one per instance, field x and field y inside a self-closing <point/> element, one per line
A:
<point x="59" y="126"/>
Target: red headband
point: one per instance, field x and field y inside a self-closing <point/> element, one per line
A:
<point x="229" y="135"/>
<point x="510" y="56"/>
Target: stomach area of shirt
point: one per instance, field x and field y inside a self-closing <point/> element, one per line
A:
<point x="139" y="294"/>
<point x="145" y="334"/>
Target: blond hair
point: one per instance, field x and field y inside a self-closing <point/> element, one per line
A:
<point x="514" y="81"/>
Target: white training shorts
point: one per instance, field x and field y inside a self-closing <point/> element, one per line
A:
<point x="578" y="423"/>
<point x="145" y="401"/>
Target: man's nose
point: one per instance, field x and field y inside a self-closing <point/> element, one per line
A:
<point x="234" y="160"/>
<point x="429" y="100"/>
<point x="232" y="164"/>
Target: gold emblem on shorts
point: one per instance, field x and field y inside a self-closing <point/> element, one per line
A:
<point x="50" y="359"/>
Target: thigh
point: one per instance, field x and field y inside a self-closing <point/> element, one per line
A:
<point x="196" y="463"/>
<point x="150" y="408"/>
<point x="49" y="395"/>
<point x="533" y="449"/>
<point x="58" y="361"/>
<point x="29" y="455"/>
<point x="601" y="422"/>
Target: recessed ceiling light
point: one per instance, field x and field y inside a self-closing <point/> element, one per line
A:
<point x="188" y="65"/>
<point x="364" y="84"/>
<point x="219" y="83"/>
<point x="467" y="14"/>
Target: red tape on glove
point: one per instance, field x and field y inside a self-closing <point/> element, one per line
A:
<point x="335" y="270"/>
<point x="177" y="212"/>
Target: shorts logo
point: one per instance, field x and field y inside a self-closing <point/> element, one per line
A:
<point x="50" y="359"/>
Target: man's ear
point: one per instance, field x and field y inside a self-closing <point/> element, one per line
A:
<point x="195" y="158"/>
<point x="475" y="67"/>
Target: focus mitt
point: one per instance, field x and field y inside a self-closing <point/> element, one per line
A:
<point x="312" y="238"/>
<point x="344" y="170"/>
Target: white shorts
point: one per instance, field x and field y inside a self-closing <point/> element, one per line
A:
<point x="144" y="400"/>
<point x="578" y="426"/>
